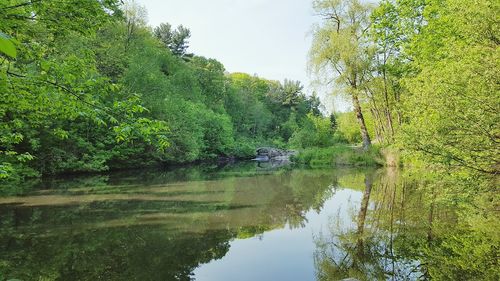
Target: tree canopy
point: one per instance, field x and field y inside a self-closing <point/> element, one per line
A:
<point x="82" y="95"/>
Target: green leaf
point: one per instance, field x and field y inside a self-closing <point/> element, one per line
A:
<point x="7" y="46"/>
<point x="45" y="65"/>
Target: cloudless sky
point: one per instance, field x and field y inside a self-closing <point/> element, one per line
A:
<point x="270" y="38"/>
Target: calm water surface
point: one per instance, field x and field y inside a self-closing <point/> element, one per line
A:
<point x="241" y="222"/>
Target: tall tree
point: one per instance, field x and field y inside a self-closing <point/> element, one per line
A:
<point x="174" y="39"/>
<point x="395" y="23"/>
<point x="135" y="17"/>
<point x="341" y="48"/>
<point x="293" y="91"/>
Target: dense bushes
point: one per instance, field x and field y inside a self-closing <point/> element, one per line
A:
<point x="315" y="131"/>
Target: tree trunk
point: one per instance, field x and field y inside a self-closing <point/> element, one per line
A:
<point x="386" y="98"/>
<point x="398" y="110"/>
<point x="361" y="120"/>
<point x="378" y="120"/>
<point x="431" y="217"/>
<point x="378" y="135"/>
<point x="362" y="215"/>
<point x="387" y="107"/>
<point x="364" y="203"/>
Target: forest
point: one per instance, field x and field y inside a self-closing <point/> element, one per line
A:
<point x="111" y="93"/>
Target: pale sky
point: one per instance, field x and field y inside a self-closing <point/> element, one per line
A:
<point x="270" y="38"/>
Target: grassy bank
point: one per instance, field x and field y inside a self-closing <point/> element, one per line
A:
<point x="339" y="155"/>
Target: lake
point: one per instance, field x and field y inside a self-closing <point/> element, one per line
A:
<point x="246" y="221"/>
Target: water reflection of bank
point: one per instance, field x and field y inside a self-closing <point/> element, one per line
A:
<point x="148" y="227"/>
<point x="406" y="229"/>
<point x="163" y="225"/>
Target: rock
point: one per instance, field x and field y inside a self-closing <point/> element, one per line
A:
<point x="261" y="158"/>
<point x="271" y="153"/>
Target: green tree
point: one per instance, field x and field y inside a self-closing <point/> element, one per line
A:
<point x="453" y="103"/>
<point x="54" y="99"/>
<point x="341" y="48"/>
<point x="333" y="122"/>
<point x="174" y="39"/>
<point x="315" y="131"/>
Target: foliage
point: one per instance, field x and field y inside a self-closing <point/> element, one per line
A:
<point x="7" y="46"/>
<point x="54" y="99"/>
<point x="348" y="128"/>
<point x="342" y="50"/>
<point x="453" y="103"/>
<point x="315" y="131"/>
<point x="174" y="39"/>
<point x="429" y="78"/>
<point x="338" y="155"/>
<point x="81" y="97"/>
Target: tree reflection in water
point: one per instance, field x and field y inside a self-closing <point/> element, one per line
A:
<point x="163" y="225"/>
<point x="406" y="230"/>
<point x="151" y="226"/>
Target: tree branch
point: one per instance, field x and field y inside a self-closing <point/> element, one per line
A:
<point x="20" y="5"/>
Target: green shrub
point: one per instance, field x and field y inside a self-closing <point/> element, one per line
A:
<point x="244" y="148"/>
<point x="339" y="155"/>
<point x="315" y="131"/>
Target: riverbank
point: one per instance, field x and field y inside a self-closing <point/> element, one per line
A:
<point x="340" y="155"/>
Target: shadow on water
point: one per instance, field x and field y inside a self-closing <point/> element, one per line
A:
<point x="159" y="225"/>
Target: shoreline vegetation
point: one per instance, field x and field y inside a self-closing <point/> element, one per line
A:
<point x="340" y="155"/>
<point x="117" y="93"/>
